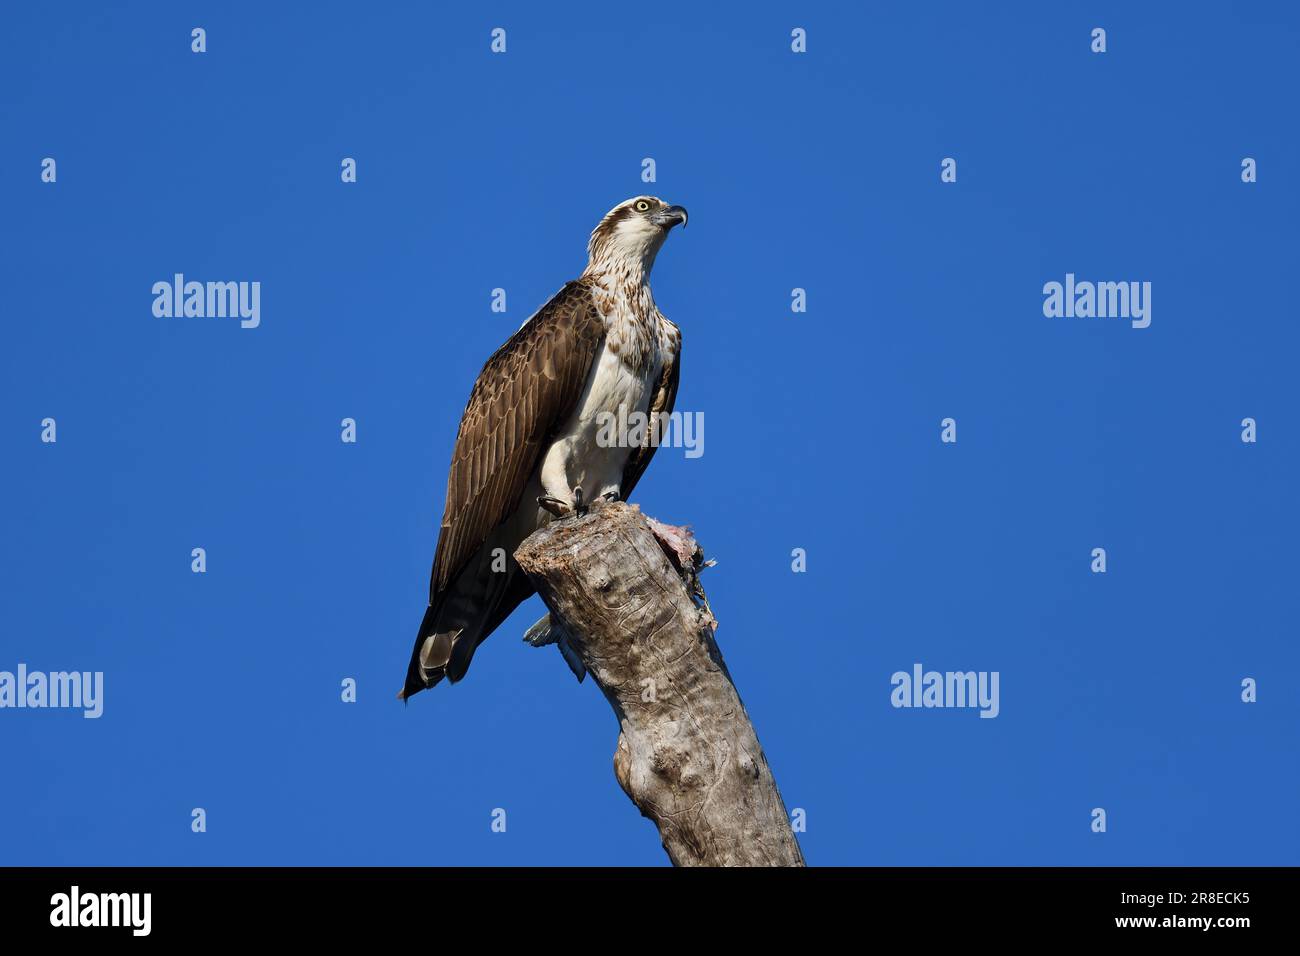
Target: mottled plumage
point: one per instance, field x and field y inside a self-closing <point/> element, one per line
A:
<point x="528" y="432"/>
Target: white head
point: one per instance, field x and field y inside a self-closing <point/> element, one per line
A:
<point x="627" y="240"/>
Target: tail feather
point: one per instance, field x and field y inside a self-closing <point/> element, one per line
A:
<point x="415" y="681"/>
<point x="457" y="622"/>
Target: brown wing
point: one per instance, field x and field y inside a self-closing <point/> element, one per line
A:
<point x="661" y="402"/>
<point x="526" y="390"/>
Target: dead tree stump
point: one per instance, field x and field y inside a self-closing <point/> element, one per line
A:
<point x="626" y="607"/>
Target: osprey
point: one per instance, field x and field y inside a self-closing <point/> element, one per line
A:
<point x="527" y="449"/>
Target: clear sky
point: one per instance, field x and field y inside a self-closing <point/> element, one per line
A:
<point x="818" y="171"/>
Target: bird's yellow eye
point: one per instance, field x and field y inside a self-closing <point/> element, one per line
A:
<point x="642" y="205"/>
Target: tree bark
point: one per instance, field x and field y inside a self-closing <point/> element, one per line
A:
<point x="626" y="607"/>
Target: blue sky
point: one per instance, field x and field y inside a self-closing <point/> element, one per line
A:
<point x="820" y="171"/>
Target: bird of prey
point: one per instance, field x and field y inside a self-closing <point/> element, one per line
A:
<point x="528" y="449"/>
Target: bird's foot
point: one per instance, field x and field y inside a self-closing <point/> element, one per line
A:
<point x="596" y="503"/>
<point x="564" y="509"/>
<point x="556" y="506"/>
<point x="608" y="498"/>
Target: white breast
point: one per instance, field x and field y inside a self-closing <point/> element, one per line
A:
<point x="582" y="455"/>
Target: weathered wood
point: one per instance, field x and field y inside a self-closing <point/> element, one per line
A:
<point x="625" y="600"/>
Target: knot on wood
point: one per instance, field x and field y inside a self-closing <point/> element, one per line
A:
<point x="748" y="766"/>
<point x="673" y="766"/>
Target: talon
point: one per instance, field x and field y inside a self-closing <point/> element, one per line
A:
<point x="611" y="496"/>
<point x="554" y="505"/>
<point x="579" y="508"/>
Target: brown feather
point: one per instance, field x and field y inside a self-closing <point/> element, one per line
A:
<point x="511" y="412"/>
<point x="661" y="403"/>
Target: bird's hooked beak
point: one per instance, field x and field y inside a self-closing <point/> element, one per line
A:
<point x="670" y="216"/>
